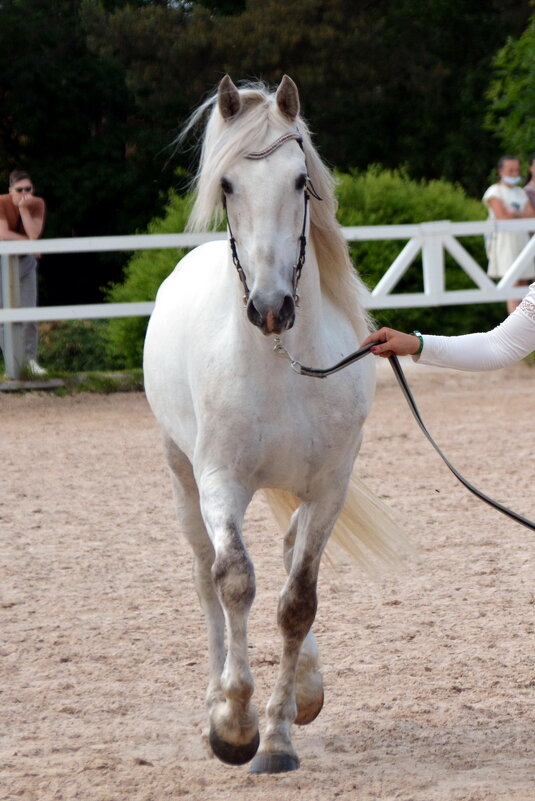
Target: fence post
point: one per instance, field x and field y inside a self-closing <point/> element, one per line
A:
<point x="13" y="340"/>
<point x="433" y="258"/>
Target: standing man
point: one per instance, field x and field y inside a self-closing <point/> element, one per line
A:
<point x="22" y="216"/>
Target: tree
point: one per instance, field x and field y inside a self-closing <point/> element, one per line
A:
<point x="95" y="91"/>
<point x="392" y="82"/>
<point x="68" y="117"/>
<point x="512" y="94"/>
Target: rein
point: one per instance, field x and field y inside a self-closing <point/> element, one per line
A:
<point x="309" y="190"/>
<point x="402" y="381"/>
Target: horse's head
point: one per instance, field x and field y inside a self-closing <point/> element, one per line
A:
<point x="265" y="194"/>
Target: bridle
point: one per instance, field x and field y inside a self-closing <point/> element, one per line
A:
<point x="308" y="192"/>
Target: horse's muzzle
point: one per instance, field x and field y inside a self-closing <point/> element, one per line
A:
<point x="269" y="319"/>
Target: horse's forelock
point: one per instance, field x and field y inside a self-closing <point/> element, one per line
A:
<point x="227" y="141"/>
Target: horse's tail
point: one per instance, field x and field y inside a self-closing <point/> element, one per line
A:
<point x="365" y="529"/>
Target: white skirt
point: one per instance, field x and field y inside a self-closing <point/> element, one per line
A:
<point x="502" y="250"/>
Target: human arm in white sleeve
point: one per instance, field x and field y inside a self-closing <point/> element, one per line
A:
<point x="504" y="345"/>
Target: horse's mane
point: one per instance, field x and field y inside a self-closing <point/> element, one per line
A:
<point x="225" y="142"/>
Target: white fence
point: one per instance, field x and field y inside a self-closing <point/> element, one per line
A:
<point x="431" y="240"/>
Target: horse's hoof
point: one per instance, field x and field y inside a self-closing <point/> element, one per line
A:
<point x="306" y="714"/>
<point x="274" y="762"/>
<point x="233" y="754"/>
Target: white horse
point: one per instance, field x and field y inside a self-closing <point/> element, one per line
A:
<point x="235" y="417"/>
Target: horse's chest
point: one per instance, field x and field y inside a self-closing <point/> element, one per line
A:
<point x="291" y="432"/>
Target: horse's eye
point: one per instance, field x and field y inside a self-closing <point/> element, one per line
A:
<point x="226" y="186"/>
<point x="301" y="182"/>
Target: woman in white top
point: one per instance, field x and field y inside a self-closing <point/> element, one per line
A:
<point x="506" y="200"/>
<point x="507" y="343"/>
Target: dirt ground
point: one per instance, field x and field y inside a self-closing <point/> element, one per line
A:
<point x="429" y="673"/>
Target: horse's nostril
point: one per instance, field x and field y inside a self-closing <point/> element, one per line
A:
<point x="287" y="312"/>
<point x="272" y="319"/>
<point x="253" y="314"/>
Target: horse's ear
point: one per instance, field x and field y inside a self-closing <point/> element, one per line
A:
<point x="287" y="98"/>
<point x="228" y="98"/>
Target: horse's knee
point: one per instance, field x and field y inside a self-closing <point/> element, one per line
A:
<point x="233" y="576"/>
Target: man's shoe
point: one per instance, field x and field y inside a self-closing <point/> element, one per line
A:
<point x="34" y="368"/>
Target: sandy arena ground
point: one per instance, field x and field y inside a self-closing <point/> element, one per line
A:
<point x="430" y="674"/>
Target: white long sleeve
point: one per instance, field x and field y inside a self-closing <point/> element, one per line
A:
<point x="507" y="343"/>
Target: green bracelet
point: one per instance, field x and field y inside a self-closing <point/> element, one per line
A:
<point x="420" y="337"/>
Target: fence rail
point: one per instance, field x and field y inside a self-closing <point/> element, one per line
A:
<point x="430" y="240"/>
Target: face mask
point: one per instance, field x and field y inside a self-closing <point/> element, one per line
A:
<point x="510" y="181"/>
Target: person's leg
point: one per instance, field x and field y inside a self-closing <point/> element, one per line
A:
<point x="28" y="299"/>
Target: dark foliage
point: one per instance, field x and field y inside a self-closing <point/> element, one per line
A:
<point x="93" y="94"/>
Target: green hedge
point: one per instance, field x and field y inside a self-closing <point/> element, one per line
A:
<point x="376" y="197"/>
<point x="76" y="346"/>
<point x="389" y="197"/>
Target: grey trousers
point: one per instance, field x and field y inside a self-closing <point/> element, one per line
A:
<point x="28" y="298"/>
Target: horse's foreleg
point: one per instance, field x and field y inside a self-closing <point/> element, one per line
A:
<point x="192" y="525"/>
<point x="233" y="720"/>
<point x="308" y="680"/>
<point x="295" y="615"/>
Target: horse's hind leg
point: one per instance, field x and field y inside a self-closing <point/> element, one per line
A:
<point x="295" y="615"/>
<point x="189" y="513"/>
<point x="308" y="679"/>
